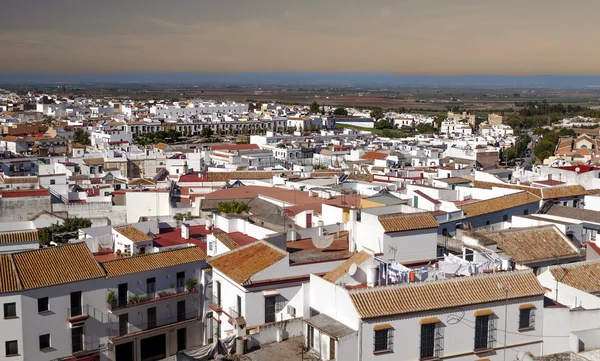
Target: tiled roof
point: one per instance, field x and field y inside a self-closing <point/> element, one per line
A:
<point x="17" y="237"/>
<point x="9" y="282"/>
<point x="564" y="191"/>
<point x="374" y="155"/>
<point x="18" y="180"/>
<point x="57" y="265"/>
<point x="449" y="293"/>
<point x="584" y="215"/>
<point x="399" y="222"/>
<point x="93" y="161"/>
<point x="338" y="272"/>
<point x="152" y="261"/>
<point x="244" y="262"/>
<point x="582" y="275"/>
<point x="498" y="204"/>
<point x="226" y="240"/>
<point x="530" y="244"/>
<point x="133" y="234"/>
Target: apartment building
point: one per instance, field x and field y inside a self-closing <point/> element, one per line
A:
<point x="488" y="316"/>
<point x="63" y="303"/>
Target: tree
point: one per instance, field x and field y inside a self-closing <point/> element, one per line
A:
<point x="281" y="146"/>
<point x="438" y="121"/>
<point x="522" y="144"/>
<point x="315" y="108"/>
<point x="376" y="113"/>
<point x="82" y="137"/>
<point x="564" y="132"/>
<point x="509" y="154"/>
<point x="544" y="149"/>
<point x="233" y="207"/>
<point x="58" y="230"/>
<point x="206" y="132"/>
<point x="383" y="124"/>
<point x="340" y="111"/>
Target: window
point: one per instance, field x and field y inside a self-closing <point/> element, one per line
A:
<point x="150" y="287"/>
<point x="485" y="332"/>
<point x="310" y="337"/>
<point x="44" y="341"/>
<point x="180" y="281"/>
<point x="10" y="310"/>
<point x="273" y="304"/>
<point x="526" y="212"/>
<point x="487" y="223"/>
<point x="43" y="305"/>
<point x="432" y="340"/>
<point x="77" y="339"/>
<point x="151" y="315"/>
<point x="76" y="308"/>
<point x="239" y="306"/>
<point x="181" y="311"/>
<point x="12" y="348"/>
<point x="526" y="318"/>
<point x="505" y="218"/>
<point x="123" y="324"/>
<point x="383" y="340"/>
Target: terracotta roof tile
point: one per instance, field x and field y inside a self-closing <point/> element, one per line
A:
<point x="57" y="265"/>
<point x="93" y="161"/>
<point x="374" y="155"/>
<point x="564" y="191"/>
<point x="17" y="237"/>
<point x="152" y="261"/>
<point x="9" y="281"/>
<point x="226" y="240"/>
<point x="244" y="262"/>
<point x="498" y="204"/>
<point x="530" y="244"/>
<point x="582" y="275"/>
<point x="455" y="292"/>
<point x="341" y="270"/>
<point x="133" y="234"/>
<point x="399" y="222"/>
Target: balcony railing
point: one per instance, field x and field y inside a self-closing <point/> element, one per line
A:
<point x="116" y="330"/>
<point x="215" y="303"/>
<point x="133" y="300"/>
<point x="233" y="313"/>
<point x="78" y="312"/>
<point x="88" y="344"/>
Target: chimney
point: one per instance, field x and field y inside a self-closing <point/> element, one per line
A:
<point x="320" y="228"/>
<point x="185" y="231"/>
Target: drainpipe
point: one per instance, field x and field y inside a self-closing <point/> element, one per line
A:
<point x="360" y="324"/>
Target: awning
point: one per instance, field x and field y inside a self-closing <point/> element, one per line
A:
<point x="484" y="313"/>
<point x="429" y="320"/>
<point x="270" y="293"/>
<point x="383" y="326"/>
<point x="526" y="306"/>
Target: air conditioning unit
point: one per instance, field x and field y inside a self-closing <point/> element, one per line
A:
<point x="291" y="310"/>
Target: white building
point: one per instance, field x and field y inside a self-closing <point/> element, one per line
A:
<point x="460" y="318"/>
<point x="59" y="302"/>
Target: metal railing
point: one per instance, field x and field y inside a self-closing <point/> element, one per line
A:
<point x="233" y="313"/>
<point x="89" y="343"/>
<point x="216" y="301"/>
<point x="79" y="311"/>
<point x="132" y="300"/>
<point x="117" y="330"/>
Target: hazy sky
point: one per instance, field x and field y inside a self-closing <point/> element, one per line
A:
<point x="434" y="37"/>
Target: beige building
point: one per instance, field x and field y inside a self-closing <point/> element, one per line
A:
<point x="495" y="119"/>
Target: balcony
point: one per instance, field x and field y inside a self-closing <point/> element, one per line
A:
<point x="117" y="332"/>
<point x="215" y="304"/>
<point x="79" y="314"/>
<point x="90" y="345"/>
<point x="146" y="298"/>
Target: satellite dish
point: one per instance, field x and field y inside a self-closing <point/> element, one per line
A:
<point x="577" y="169"/>
<point x="322" y="241"/>
<point x="352" y="269"/>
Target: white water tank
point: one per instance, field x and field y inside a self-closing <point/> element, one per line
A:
<point x="372" y="277"/>
<point x="185" y="231"/>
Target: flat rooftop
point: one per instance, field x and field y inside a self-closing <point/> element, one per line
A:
<point x="304" y="251"/>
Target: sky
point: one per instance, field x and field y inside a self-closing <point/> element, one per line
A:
<point x="405" y="37"/>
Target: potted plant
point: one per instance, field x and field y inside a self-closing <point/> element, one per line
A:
<point x="133" y="300"/>
<point x="190" y="284"/>
<point x="111" y="299"/>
